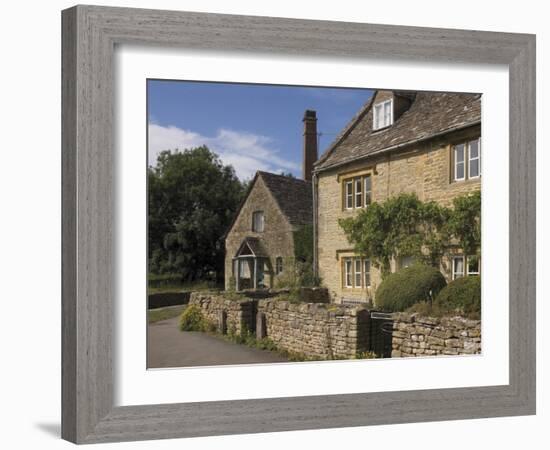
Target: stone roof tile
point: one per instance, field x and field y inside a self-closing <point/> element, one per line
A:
<point x="429" y="115"/>
<point x="293" y="195"/>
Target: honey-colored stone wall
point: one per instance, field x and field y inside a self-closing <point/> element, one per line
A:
<point x="424" y="169"/>
<point x="239" y="313"/>
<point x="316" y="330"/>
<point x="322" y="331"/>
<point x="414" y="335"/>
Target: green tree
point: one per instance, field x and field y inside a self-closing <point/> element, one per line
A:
<point x="192" y="198"/>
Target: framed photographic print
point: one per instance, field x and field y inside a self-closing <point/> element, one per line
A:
<point x="305" y="210"/>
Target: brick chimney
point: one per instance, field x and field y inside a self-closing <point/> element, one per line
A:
<point x="310" y="143"/>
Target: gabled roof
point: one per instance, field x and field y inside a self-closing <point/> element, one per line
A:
<point x="253" y="245"/>
<point x="293" y="195"/>
<point x="430" y="114"/>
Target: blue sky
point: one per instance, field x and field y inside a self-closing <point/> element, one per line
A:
<point x="252" y="127"/>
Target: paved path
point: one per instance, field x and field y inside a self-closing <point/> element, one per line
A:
<point x="169" y="347"/>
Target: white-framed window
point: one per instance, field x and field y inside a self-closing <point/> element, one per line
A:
<point x="474" y="159"/>
<point x="358" y="273"/>
<point x="366" y="272"/>
<point x="383" y="114"/>
<point x="349" y="194"/>
<point x="368" y="190"/>
<point x="348" y="278"/>
<point x="358" y="192"/>
<point x="467" y="160"/>
<point x="465" y="266"/>
<point x="278" y="265"/>
<point x="459" y="162"/>
<point x="458" y="267"/>
<point x="472" y="265"/>
<point x="258" y="221"/>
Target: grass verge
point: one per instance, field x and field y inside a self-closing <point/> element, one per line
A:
<point x="158" y="314"/>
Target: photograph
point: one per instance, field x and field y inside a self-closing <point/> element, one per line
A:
<point x="272" y="225"/>
<point x="306" y="223"/>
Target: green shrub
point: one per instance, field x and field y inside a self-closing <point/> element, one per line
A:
<point x="192" y="319"/>
<point x="297" y="274"/>
<point x="462" y="296"/>
<point x="400" y="290"/>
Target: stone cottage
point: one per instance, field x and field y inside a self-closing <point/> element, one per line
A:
<point x="414" y="142"/>
<point x="260" y="244"/>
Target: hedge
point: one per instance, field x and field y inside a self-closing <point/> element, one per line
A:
<point x="400" y="290"/>
<point x="462" y="295"/>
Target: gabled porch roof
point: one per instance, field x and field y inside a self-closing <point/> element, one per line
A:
<point x="251" y="247"/>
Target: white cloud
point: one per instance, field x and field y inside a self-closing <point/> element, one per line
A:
<point x="246" y="152"/>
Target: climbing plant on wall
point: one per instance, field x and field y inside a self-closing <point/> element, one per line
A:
<point x="405" y="226"/>
<point x="465" y="222"/>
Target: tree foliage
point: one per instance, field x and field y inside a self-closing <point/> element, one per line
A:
<point x="405" y="226"/>
<point x="192" y="198"/>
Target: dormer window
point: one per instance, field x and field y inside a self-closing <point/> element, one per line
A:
<point x="258" y="221"/>
<point x="383" y="115"/>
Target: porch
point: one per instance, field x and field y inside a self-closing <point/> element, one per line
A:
<point x="251" y="266"/>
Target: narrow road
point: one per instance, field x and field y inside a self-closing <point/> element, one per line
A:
<point x="167" y="346"/>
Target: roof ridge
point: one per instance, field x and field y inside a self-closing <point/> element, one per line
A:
<point x="271" y="174"/>
<point x="347" y="129"/>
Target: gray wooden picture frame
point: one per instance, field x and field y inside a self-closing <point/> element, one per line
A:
<point x="90" y="34"/>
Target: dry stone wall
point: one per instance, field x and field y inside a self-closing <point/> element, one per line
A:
<point x="332" y="331"/>
<point x="414" y="335"/>
<point x="226" y="314"/>
<point x="316" y="330"/>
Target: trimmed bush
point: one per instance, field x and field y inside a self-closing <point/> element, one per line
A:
<point x="400" y="290"/>
<point x="462" y="295"/>
<point x="192" y="319"/>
